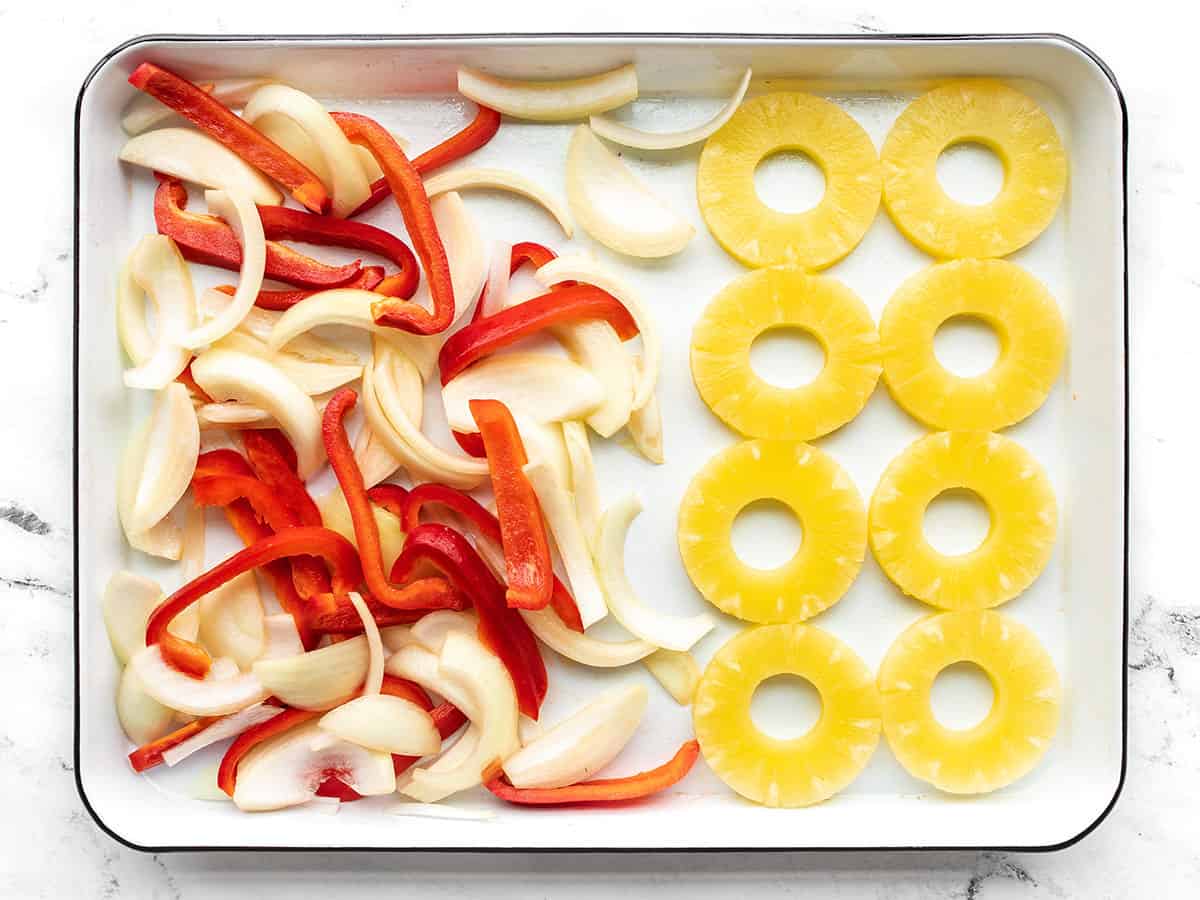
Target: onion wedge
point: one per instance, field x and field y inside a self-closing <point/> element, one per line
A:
<point x="538" y="387"/>
<point x="645" y="429"/>
<point x="394" y="637"/>
<point x="419" y="664"/>
<point x="347" y="181"/>
<point x="259" y="323"/>
<point x="501" y="180"/>
<point x="675" y="671"/>
<point x="128" y="601"/>
<point x="155" y="268"/>
<point x="340" y="306"/>
<point x="581" y="745"/>
<point x="581" y="648"/>
<point x="335" y="515"/>
<point x="227" y="375"/>
<point x="233" y="415"/>
<point x="165" y="539"/>
<point x="619" y="133"/>
<point x="652" y="626"/>
<point x="385" y="723"/>
<point x="311" y="377"/>
<point x="194" y="156"/>
<point x="172" y="446"/>
<point x="430" y="631"/>
<point x="231" y="620"/>
<point x="615" y="206"/>
<point x="142" y="718"/>
<point x="145" y="111"/>
<point x="583" y="480"/>
<point x="374" y="459"/>
<point x="223" y="728"/>
<point x="208" y="696"/>
<point x="320" y="679"/>
<point x="551" y="101"/>
<point x="280" y="637"/>
<point x="373" y="682"/>
<point x="495" y="294"/>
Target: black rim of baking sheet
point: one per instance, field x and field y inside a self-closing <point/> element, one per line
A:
<point x="611" y="36"/>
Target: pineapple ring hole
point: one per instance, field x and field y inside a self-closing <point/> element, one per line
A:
<point x="766" y="534"/>
<point x="789" y="181"/>
<point x="966" y="346"/>
<point x="787" y="356"/>
<point x="956" y="522"/>
<point x="962" y="696"/>
<point x="970" y="173"/>
<point x="786" y="707"/>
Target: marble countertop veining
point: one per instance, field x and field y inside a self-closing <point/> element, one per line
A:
<point x="1147" y="848"/>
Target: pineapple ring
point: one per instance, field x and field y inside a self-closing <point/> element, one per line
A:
<point x="804" y="770"/>
<point x="761" y="236"/>
<point x="1014" y="488"/>
<point x="1014" y="303"/>
<point x="820" y="494"/>
<point x="785" y="297"/>
<point x="1013" y="737"/>
<point x="1011" y="125"/>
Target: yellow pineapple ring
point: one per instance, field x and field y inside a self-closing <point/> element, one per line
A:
<point x="1013" y="737"/>
<point x="758" y="302"/>
<point x="760" y="236"/>
<point x="803" y="770"/>
<point x="1011" y="125"/>
<point x="1006" y="297"/>
<point x="819" y="493"/>
<point x="1014" y="488"/>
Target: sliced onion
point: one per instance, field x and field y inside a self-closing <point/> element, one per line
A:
<point x="347" y="181"/>
<point x="495" y="294"/>
<point x="208" y="696"/>
<point x="645" y="428"/>
<point x="259" y="323"/>
<point x="142" y="718"/>
<point x="615" y="206"/>
<point x="619" y="133"/>
<point x="581" y="745"/>
<point x="191" y="561"/>
<point x="164" y="539"/>
<point x="581" y="648"/>
<point x="373" y="682"/>
<point x="231" y="620"/>
<point x="537" y="386"/>
<point x="528" y="730"/>
<point x="340" y="306"/>
<point x="335" y="515"/>
<point x="311" y="377"/>
<point x="233" y="415"/>
<point x="430" y="631"/>
<point x="386" y="723"/>
<point x="145" y="111"/>
<point x="155" y="268"/>
<point x="319" y="679"/>
<point x="583" y="479"/>
<point x="172" y="446"/>
<point x="280" y="637"/>
<point x="128" y="601"/>
<point x="295" y="140"/>
<point x="223" y="728"/>
<point x="394" y="637"/>
<point x="226" y="375"/>
<point x="675" y="671"/>
<point x="196" y="157"/>
<point x="500" y="180"/>
<point x="544" y="443"/>
<point x="596" y="347"/>
<point x="550" y="101"/>
<point x="417" y="663"/>
<point x="558" y="507"/>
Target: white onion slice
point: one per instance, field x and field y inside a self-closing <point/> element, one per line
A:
<point x="145" y="111"/>
<point x="347" y="181"/>
<point x="581" y="648"/>
<point x="231" y="620"/>
<point x="581" y="745"/>
<point x="126" y="606"/>
<point x="620" y="133"/>
<point x="164" y="539"/>
<point x="335" y="515"/>
<point x="194" y="156"/>
<point x="191" y="561"/>
<point x="319" y="679"/>
<point x="538" y="387"/>
<point x="386" y="723"/>
<point x="500" y="180"/>
<point x="373" y="682"/>
<point x="645" y="429"/>
<point x="495" y="295"/>
<point x="652" y="626"/>
<point x="259" y="323"/>
<point x="226" y="375"/>
<point x="440" y="811"/>
<point x="417" y="663"/>
<point x="675" y="671"/>
<point x="615" y="206"/>
<point x="376" y="462"/>
<point x="550" y="101"/>
<point x="156" y="269"/>
<point x="233" y="415"/>
<point x="430" y="630"/>
<point x="280" y="637"/>
<point x="208" y="696"/>
<point x="172" y="447"/>
<point x="223" y="728"/>
<point x="142" y="718"/>
<point x="394" y="637"/>
<point x="311" y="377"/>
<point x="339" y="306"/>
<point x="583" y="480"/>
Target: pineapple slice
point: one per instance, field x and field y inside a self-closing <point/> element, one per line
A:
<point x="804" y="770"/>
<point x="1009" y="481"/>
<point x="974" y="111"/>
<point x="760" y="236"/>
<point x="823" y="498"/>
<point x="779" y="298"/>
<point x="1013" y="737"/>
<point x="1006" y="297"/>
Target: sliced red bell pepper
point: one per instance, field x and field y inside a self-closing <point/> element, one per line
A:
<point x="395" y="686"/>
<point x="604" y="790"/>
<point x="150" y="755"/>
<point x="339" y="617"/>
<point x="481" y="130"/>
<point x="424" y="593"/>
<point x="192" y="659"/>
<point x="566" y="304"/>
<point x="409" y="193"/>
<point x="523" y="537"/>
<point x="210" y="241"/>
<point x="368" y="279"/>
<point x="251" y="738"/>
<point x="391" y="497"/>
<point x="501" y="628"/>
<point x="219" y="121"/>
<point x="471" y="443"/>
<point x="185" y="378"/>
<point x="524" y="252"/>
<point x="273" y="460"/>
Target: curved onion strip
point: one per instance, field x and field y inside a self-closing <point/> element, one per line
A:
<point x="335" y="515"/>
<point x="376" y="462"/>
<point x="165" y="539"/>
<point x="142" y="718"/>
<point x="319" y="679"/>
<point x="538" y="387"/>
<point x="500" y="180"/>
<point x="386" y="723"/>
<point x="242" y="216"/>
<point x="145" y="111"/>
<point x="675" y="671"/>
<point x="430" y="630"/>
<point x="615" y="206"/>
<point x="208" y="696"/>
<point x="225" y="727"/>
<point x="172" y="446"/>
<point x="419" y="664"/>
<point x="347" y="181"/>
<point x="544" y="443"/>
<point x="280" y="637"/>
<point x="373" y="683"/>
<point x="652" y="626"/>
<point x="295" y="140"/>
<point x="194" y="156"/>
<point x="191" y="561"/>
<point x="226" y="375"/>
<point x="233" y="415"/>
<point x="259" y="323"/>
<point x="231" y="620"/>
<point x="128" y="601"/>
<point x="581" y="648"/>
<point x="380" y="430"/>
<point x="155" y="268"/>
<point x="583" y="479"/>
<point x="551" y="101"/>
<point x="311" y="377"/>
<point x="340" y="306"/>
<point x="394" y="637"/>
<point x="495" y="294"/>
<point x="620" y="133"/>
<point x="645" y="428"/>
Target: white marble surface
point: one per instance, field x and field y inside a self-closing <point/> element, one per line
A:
<point x="1147" y="848"/>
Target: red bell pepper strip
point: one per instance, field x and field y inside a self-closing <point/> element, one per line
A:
<point x="369" y="278"/>
<point x="210" y="241"/>
<point x="523" y="537"/>
<point x="567" y="304"/>
<point x="425" y="593"/>
<point x="487" y="525"/>
<point x="273" y="460"/>
<point x="219" y="121"/>
<point x="409" y="193"/>
<point x="390" y="497"/>
<point x="341" y="618"/>
<point x="524" y="252"/>
<point x="150" y="755"/>
<point x="481" y="130"/>
<point x="604" y="790"/>
<point x="192" y="659"/>
<point x="471" y="443"/>
<point x="501" y="628"/>
<point x="251" y="738"/>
